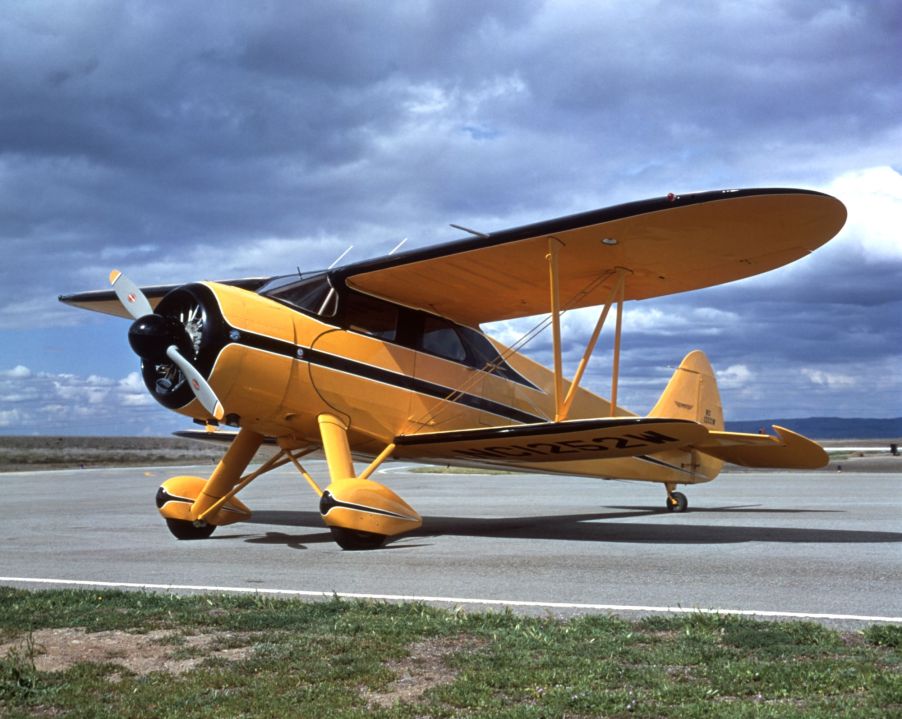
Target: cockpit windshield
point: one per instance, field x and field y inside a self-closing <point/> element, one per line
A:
<point x="311" y="293"/>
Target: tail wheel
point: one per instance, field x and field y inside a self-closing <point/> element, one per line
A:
<point x="182" y="529"/>
<point x="677" y="502"/>
<point x="353" y="539"/>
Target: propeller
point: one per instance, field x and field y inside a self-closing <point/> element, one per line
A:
<point x="154" y="337"/>
<point x="201" y="388"/>
<point x="130" y="295"/>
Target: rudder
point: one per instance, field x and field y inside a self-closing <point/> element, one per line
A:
<point x="692" y="394"/>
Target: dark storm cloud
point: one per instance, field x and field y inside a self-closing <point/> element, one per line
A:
<point x="273" y="117"/>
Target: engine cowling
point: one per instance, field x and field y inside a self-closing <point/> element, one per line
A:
<point x="188" y="317"/>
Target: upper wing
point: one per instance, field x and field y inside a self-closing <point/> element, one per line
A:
<point x="604" y="438"/>
<point x="666" y="245"/>
<point x="105" y="300"/>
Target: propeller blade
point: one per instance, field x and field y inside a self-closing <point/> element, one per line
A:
<point x="130" y="295"/>
<point x="202" y="390"/>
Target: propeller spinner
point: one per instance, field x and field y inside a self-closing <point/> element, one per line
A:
<point x="154" y="337"/>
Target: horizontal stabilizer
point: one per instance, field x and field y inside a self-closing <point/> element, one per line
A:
<point x="787" y="450"/>
<point x="604" y="438"/>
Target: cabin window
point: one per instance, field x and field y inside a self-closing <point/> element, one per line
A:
<point x="370" y="316"/>
<point x="440" y="338"/>
<point x="484" y="356"/>
<point x="391" y="323"/>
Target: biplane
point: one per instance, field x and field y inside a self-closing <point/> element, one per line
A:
<point x="385" y="359"/>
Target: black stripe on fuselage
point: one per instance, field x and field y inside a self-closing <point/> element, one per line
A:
<point x="662" y="463"/>
<point x="384" y="376"/>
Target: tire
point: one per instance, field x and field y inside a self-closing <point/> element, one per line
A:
<point x="354" y="540"/>
<point x="677" y="502"/>
<point x="188" y="530"/>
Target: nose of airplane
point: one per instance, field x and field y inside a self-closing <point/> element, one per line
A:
<point x="151" y="335"/>
<point x="170" y="340"/>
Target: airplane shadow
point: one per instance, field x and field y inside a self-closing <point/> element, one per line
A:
<point x="589" y="527"/>
<point x="743" y="508"/>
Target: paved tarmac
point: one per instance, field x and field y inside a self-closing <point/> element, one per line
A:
<point x="816" y="543"/>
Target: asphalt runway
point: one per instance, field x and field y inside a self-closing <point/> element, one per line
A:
<point x="821" y="544"/>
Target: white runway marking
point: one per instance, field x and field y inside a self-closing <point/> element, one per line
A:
<point x="457" y="601"/>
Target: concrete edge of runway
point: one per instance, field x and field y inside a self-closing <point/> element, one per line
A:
<point x="563" y="609"/>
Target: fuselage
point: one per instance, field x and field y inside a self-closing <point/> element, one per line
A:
<point x="280" y="357"/>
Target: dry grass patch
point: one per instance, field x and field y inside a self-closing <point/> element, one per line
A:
<point x="56" y="650"/>
<point x="424" y="668"/>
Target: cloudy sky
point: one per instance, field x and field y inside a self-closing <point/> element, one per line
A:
<point x="178" y="142"/>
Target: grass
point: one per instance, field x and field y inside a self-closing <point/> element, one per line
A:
<point x="354" y="659"/>
<point x="39" y="453"/>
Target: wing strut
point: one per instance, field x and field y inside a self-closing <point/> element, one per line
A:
<point x="562" y="403"/>
<point x="616" y="295"/>
<point x="554" y="287"/>
<point x="615" y="372"/>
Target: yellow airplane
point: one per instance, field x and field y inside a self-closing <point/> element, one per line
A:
<point x="385" y="359"/>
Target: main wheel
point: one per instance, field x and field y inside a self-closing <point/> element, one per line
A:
<point x="677" y="502"/>
<point x="182" y="529"/>
<point x="353" y="539"/>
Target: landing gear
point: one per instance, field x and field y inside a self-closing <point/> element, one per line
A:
<point x="353" y="539"/>
<point x="677" y="502"/>
<point x="361" y="513"/>
<point x="182" y="529"/>
<point x="193" y="506"/>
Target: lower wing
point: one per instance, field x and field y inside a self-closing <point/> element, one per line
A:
<point x="602" y="438"/>
<point x="605" y="438"/>
<point x="610" y="438"/>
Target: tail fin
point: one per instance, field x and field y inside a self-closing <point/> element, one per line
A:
<point x="692" y="394"/>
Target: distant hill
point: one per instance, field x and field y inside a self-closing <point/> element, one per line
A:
<point x="828" y="427"/>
